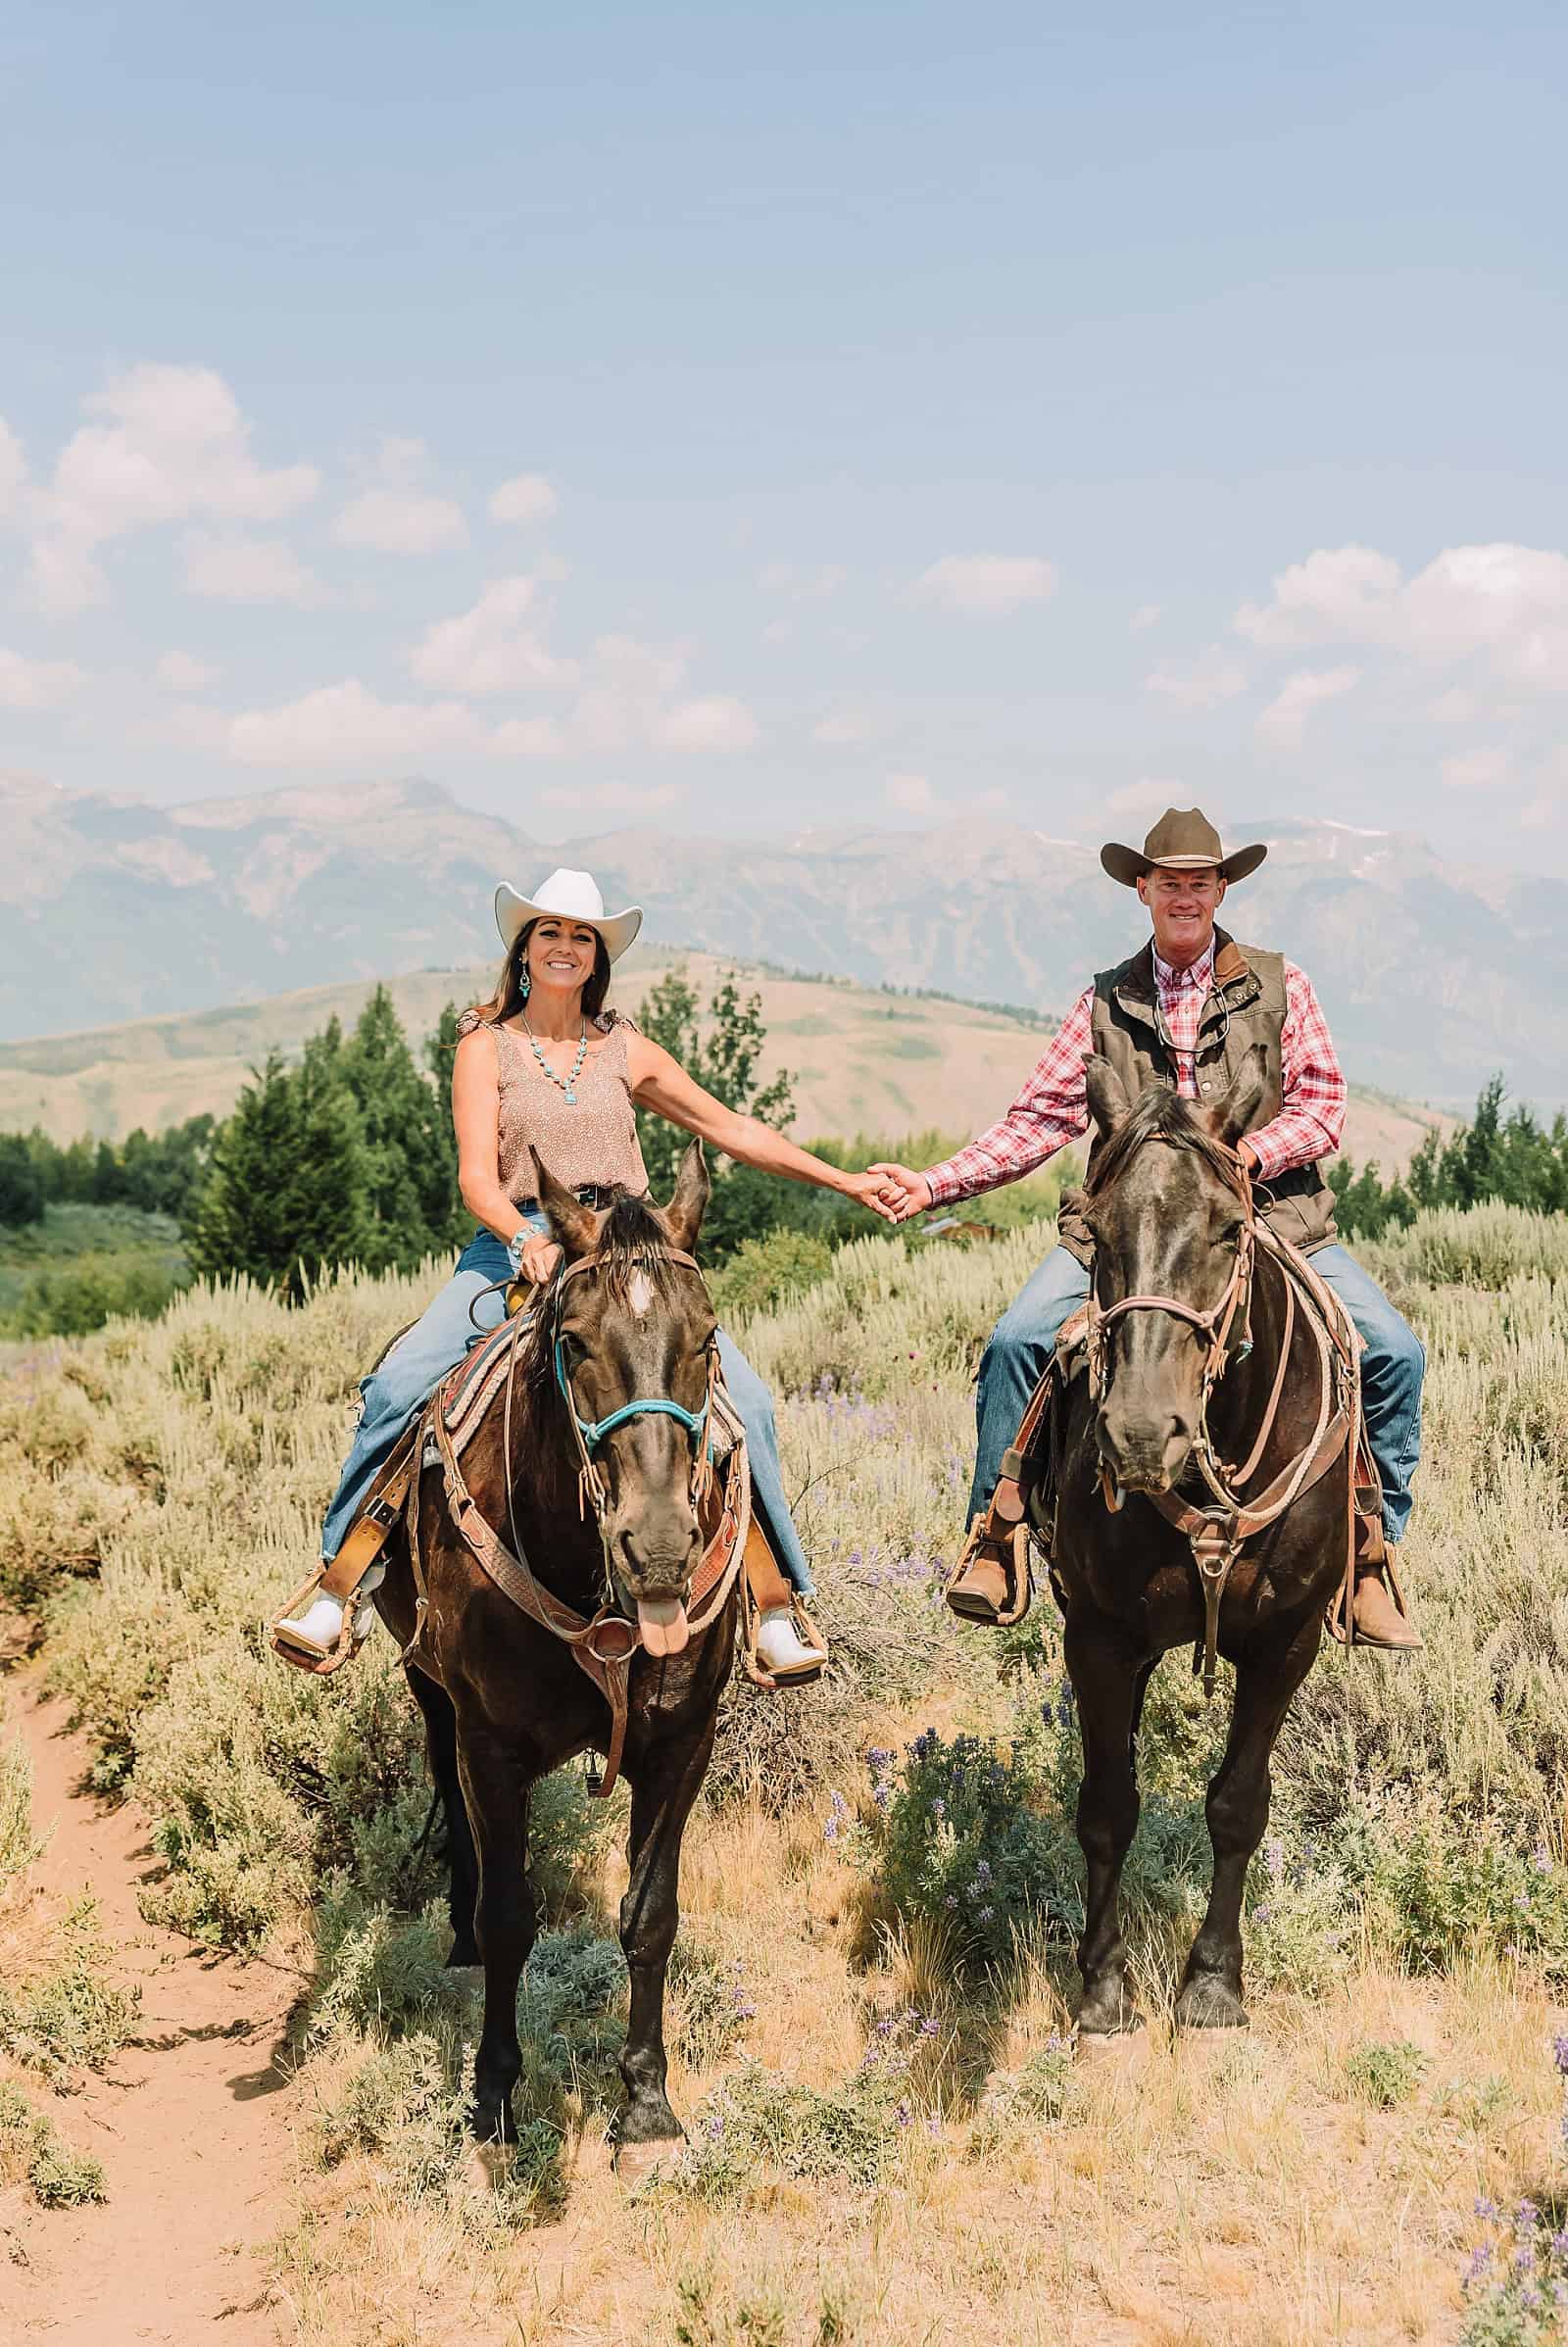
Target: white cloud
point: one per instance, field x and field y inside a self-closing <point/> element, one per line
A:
<point x="249" y="570"/>
<point x="1144" y="617"/>
<point x="36" y="684"/>
<point x="1506" y="602"/>
<point x="911" y="794"/>
<point x="401" y="522"/>
<point x="182" y="673"/>
<point x="531" y="737"/>
<point x="986" y="582"/>
<point x="347" y="726"/>
<point x="527" y="497"/>
<point x="715" y="723"/>
<point x="1477" y="771"/>
<point x="173" y="444"/>
<point x="494" y="647"/>
<point x="397" y="516"/>
<point x="1145" y="799"/>
<point x="1215" y="677"/>
<point x="1455" y="708"/>
<point x="1284" y="723"/>
<point x="13" y="468"/>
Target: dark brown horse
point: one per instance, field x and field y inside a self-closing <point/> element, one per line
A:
<point x="504" y="1700"/>
<point x="1186" y="1372"/>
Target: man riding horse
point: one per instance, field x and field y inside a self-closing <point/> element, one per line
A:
<point x="1183" y="1011"/>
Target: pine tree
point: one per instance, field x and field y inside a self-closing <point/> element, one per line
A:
<point x="286" y="1193"/>
<point x="20" y="1187"/>
<point x="394" y="1103"/>
<point x="723" y="1060"/>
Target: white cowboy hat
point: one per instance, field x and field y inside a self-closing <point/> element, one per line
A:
<point x="574" y="897"/>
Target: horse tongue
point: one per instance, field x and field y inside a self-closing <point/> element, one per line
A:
<point x="662" y="1623"/>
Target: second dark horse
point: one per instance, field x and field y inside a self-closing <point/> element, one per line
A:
<point x="502" y="1698"/>
<point x="1167" y="1204"/>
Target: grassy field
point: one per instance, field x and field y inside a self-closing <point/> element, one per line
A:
<point x="864" y="1060"/>
<point x="891" y="2140"/>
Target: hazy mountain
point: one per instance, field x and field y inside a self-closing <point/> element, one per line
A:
<point x="1433" y="975"/>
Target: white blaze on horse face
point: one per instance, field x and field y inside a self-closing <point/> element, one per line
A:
<point x="640" y="1294"/>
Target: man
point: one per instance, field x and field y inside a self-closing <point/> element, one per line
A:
<point x="1185" y="1011"/>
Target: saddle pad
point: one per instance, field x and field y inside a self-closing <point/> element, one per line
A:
<point x="472" y="1386"/>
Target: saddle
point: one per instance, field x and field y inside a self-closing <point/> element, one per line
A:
<point x="1024" y="1503"/>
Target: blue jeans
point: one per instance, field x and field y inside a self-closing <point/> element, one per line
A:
<point x="1393" y="1368"/>
<point x="439" y="1340"/>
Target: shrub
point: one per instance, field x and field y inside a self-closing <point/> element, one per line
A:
<point x="32" y="2147"/>
<point x="764" y="1273"/>
<point x="1385" y="2070"/>
<point x="70" y="2016"/>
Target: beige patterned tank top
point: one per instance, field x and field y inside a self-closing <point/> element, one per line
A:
<point x="592" y="1141"/>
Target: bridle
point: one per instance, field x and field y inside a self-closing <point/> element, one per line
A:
<point x="1214" y="1324"/>
<point x="604" y="1643"/>
<point x="590" y="1433"/>
<point x="1217" y="1533"/>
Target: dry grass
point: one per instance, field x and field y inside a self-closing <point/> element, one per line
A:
<point x="1310" y="2180"/>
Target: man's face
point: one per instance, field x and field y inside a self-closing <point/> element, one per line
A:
<point x="1183" y="905"/>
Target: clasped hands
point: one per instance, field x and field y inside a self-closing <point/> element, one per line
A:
<point x="896" y="1192"/>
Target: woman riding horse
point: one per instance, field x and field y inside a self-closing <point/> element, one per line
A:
<point x="544" y="1066"/>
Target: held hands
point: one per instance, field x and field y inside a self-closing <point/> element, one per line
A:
<point x="873" y="1190"/>
<point x="908" y="1194"/>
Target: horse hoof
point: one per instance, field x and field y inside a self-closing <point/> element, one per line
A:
<point x="637" y="2162"/>
<point x="465" y="1956"/>
<point x="1209" y="2004"/>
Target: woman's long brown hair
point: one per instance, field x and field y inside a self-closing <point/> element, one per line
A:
<point x="508" y="999"/>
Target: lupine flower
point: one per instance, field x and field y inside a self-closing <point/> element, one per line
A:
<point x="1487" y="2210"/>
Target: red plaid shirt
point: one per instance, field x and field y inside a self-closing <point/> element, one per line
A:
<point x="1053" y="1109"/>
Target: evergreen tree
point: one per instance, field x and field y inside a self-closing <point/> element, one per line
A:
<point x="20" y="1188"/>
<point x="445" y="1211"/>
<point x="723" y="1058"/>
<point x="393" y="1102"/>
<point x="287" y="1190"/>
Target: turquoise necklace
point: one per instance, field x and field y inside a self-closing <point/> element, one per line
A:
<point x="567" y="1084"/>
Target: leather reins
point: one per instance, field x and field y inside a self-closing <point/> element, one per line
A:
<point x="604" y="1643"/>
<point x="1216" y="1534"/>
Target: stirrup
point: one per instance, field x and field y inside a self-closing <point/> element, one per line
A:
<point x="304" y="1654"/>
<point x="1011" y="1550"/>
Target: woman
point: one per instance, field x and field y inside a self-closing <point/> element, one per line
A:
<point x="544" y="1062"/>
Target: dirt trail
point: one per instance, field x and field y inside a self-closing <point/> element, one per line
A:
<point x="192" y="2123"/>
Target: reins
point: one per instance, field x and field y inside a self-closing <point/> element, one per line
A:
<point x="1217" y="1533"/>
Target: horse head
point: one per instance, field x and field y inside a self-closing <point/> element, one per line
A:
<point x="1167" y="1205"/>
<point x="632" y="1336"/>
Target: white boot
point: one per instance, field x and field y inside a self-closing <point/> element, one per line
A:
<point x="782" y="1650"/>
<point x="317" y="1627"/>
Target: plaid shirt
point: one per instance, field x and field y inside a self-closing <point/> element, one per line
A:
<point x="1052" y="1108"/>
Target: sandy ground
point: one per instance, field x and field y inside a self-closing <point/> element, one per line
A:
<point x="191" y="2121"/>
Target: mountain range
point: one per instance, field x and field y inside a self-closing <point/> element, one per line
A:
<point x="1433" y="975"/>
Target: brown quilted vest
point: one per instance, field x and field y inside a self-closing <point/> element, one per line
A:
<point x="1246" y="1006"/>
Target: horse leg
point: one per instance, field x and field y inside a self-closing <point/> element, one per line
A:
<point x="1210" y="1994"/>
<point x="496" y="1778"/>
<point x="1109" y="1679"/>
<point x="463" y="1864"/>
<point x="665" y="1789"/>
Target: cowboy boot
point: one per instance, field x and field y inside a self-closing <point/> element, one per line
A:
<point x="1378" y="1611"/>
<point x="992" y="1581"/>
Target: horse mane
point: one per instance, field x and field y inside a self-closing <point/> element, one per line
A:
<point x="1157" y="1114"/>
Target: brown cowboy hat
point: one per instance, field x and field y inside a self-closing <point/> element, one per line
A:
<point x="1185" y="839"/>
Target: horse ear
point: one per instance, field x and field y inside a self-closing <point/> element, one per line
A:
<point x="1237" y="1112"/>
<point x="1108" y="1103"/>
<point x="575" y="1225"/>
<point x="689" y="1199"/>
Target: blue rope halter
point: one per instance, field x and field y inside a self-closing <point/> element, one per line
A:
<point x="593" y="1430"/>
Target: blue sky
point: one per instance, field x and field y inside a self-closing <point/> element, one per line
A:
<point x="747" y="419"/>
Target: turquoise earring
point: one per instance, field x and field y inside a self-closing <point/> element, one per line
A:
<point x="526" y="988"/>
